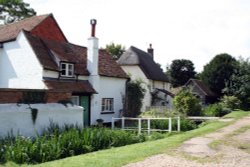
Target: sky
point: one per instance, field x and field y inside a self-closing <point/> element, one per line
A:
<point x="196" y="30"/>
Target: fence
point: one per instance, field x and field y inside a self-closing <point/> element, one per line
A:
<point x="148" y="129"/>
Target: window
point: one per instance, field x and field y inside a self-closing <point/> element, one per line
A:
<point x="107" y="105"/>
<point x="67" y="69"/>
<point x="75" y="100"/>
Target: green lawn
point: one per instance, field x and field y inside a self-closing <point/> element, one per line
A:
<point x="120" y="156"/>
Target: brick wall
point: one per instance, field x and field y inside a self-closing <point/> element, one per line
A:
<point x="15" y="95"/>
<point x="49" y="29"/>
<point x="53" y="97"/>
<point x="10" y="96"/>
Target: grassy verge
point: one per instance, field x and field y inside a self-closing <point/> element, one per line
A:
<point x="117" y="157"/>
<point x="237" y="114"/>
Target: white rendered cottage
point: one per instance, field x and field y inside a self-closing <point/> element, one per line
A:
<point x="36" y="59"/>
<point x="141" y="65"/>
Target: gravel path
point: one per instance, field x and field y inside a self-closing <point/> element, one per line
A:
<point x="225" y="155"/>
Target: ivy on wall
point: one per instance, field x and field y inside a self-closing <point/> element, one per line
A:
<point x="134" y="97"/>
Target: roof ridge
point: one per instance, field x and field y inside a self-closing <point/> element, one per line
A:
<point x="28" y="18"/>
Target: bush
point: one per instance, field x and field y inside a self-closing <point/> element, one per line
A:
<point x="186" y="124"/>
<point x="216" y="110"/>
<point x="186" y="103"/>
<point x="230" y="102"/>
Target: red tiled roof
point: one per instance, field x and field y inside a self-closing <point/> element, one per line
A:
<point x="108" y="67"/>
<point x="47" y="49"/>
<point x="64" y="51"/>
<point x="71" y="86"/>
<point x="9" y="32"/>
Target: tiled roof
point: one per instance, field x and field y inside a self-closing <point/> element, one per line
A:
<point x="9" y="32"/>
<point x="46" y="50"/>
<point x="70" y="86"/>
<point x="202" y="86"/>
<point x="108" y="67"/>
<point x="135" y="56"/>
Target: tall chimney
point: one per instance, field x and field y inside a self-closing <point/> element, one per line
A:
<point x="93" y="53"/>
<point x="93" y="24"/>
<point x="94" y="77"/>
<point x="151" y="50"/>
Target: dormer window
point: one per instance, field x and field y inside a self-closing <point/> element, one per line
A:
<point x="67" y="69"/>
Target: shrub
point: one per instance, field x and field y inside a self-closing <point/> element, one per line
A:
<point x="230" y="102"/>
<point x="186" y="103"/>
<point x="186" y="124"/>
<point x="134" y="97"/>
<point x="215" y="110"/>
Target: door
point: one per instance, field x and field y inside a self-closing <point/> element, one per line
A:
<point x="84" y="102"/>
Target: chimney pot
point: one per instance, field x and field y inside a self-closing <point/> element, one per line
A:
<point x="151" y="50"/>
<point x="93" y="25"/>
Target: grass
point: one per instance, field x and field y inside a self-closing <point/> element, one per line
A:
<point x="237" y="114"/>
<point x="120" y="156"/>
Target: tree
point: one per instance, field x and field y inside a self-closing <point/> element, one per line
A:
<point x="186" y="103"/>
<point x="134" y="96"/>
<point x="116" y="50"/>
<point x="218" y="71"/>
<point x="15" y="10"/>
<point x="181" y="70"/>
<point x="239" y="83"/>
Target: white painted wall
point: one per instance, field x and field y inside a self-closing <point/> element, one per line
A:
<point x="135" y="73"/>
<point x="54" y="74"/>
<point x="19" y="67"/>
<point x="18" y="118"/>
<point x="110" y="87"/>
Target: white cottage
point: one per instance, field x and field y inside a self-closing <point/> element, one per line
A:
<point x="39" y="65"/>
<point x="139" y="64"/>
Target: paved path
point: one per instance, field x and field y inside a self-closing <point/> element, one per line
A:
<point x="197" y="153"/>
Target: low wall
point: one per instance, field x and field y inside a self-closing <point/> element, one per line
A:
<point x="18" y="118"/>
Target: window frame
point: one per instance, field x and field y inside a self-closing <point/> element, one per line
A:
<point x="107" y="105"/>
<point x="69" y="68"/>
<point x="77" y="98"/>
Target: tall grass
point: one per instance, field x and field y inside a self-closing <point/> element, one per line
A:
<point x="56" y="143"/>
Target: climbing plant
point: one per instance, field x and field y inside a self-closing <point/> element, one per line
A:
<point x="134" y="98"/>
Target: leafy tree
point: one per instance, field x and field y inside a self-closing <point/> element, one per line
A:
<point x="15" y="10"/>
<point x="186" y="103"/>
<point x="239" y="83"/>
<point x="135" y="94"/>
<point x="181" y="70"/>
<point x="116" y="50"/>
<point x="218" y="71"/>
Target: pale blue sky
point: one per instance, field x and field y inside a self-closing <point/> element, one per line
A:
<point x="191" y="29"/>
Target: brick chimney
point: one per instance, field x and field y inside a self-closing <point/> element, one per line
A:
<point x="151" y="50"/>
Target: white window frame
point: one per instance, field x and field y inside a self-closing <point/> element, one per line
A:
<point x="107" y="105"/>
<point x="69" y="68"/>
<point x="77" y="100"/>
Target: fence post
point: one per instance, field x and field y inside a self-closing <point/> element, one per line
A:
<point x="113" y="123"/>
<point x="179" y="125"/>
<point x="149" y="126"/>
<point x="169" y="124"/>
<point x="123" y="122"/>
<point x="139" y="126"/>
